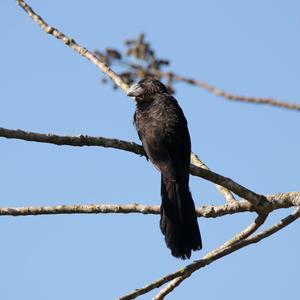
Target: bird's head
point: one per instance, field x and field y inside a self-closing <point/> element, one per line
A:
<point x="146" y="88"/>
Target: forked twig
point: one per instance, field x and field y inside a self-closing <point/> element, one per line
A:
<point x="213" y="256"/>
<point x="225" y="192"/>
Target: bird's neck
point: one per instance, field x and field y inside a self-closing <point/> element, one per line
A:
<point x="144" y="104"/>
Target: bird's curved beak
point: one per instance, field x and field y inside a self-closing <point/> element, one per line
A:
<point x="135" y="90"/>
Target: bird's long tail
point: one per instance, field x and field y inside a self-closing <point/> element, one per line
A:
<point x="178" y="220"/>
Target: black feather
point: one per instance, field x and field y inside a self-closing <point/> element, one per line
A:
<point x="163" y="130"/>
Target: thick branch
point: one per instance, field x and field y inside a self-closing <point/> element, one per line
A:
<point x="210" y="211"/>
<point x="80" y="209"/>
<point x="276" y="201"/>
<point x="82" y="140"/>
<point x="255" y="199"/>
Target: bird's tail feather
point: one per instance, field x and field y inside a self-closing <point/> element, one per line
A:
<point x="178" y="220"/>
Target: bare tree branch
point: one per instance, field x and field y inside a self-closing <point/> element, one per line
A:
<point x="84" y="140"/>
<point x="233" y="97"/>
<point x="213" y="256"/>
<point x="210" y="211"/>
<point x="276" y="201"/>
<point x="80" y="209"/>
<point x="227" y="183"/>
<point x="71" y="43"/>
<point x="170" y="287"/>
<point x="255" y="199"/>
<point x="80" y="141"/>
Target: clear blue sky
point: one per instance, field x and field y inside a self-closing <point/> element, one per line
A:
<point x="247" y="47"/>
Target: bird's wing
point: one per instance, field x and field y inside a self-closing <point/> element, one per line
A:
<point x="167" y="141"/>
<point x="156" y="148"/>
<point x="170" y="154"/>
<point x="179" y="149"/>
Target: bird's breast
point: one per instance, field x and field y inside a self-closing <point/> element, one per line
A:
<point x="151" y="119"/>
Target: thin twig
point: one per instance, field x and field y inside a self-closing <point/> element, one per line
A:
<point x="170" y="287"/>
<point x="229" y="96"/>
<point x="259" y="220"/>
<point x="213" y="256"/>
<point x="225" y="192"/>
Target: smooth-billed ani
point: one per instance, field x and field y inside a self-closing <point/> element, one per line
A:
<point x="162" y="128"/>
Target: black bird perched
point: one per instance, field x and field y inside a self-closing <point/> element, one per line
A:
<point x="163" y="130"/>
